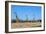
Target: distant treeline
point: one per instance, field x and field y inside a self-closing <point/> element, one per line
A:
<point x="14" y="21"/>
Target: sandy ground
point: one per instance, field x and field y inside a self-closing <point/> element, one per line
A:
<point x="25" y="25"/>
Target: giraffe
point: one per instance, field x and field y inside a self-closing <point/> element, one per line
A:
<point x="17" y="19"/>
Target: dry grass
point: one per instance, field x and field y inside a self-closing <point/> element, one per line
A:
<point x="25" y="25"/>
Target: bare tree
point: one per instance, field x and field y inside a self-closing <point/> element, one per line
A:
<point x="26" y="17"/>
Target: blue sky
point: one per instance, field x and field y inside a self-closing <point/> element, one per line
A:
<point x="22" y="11"/>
